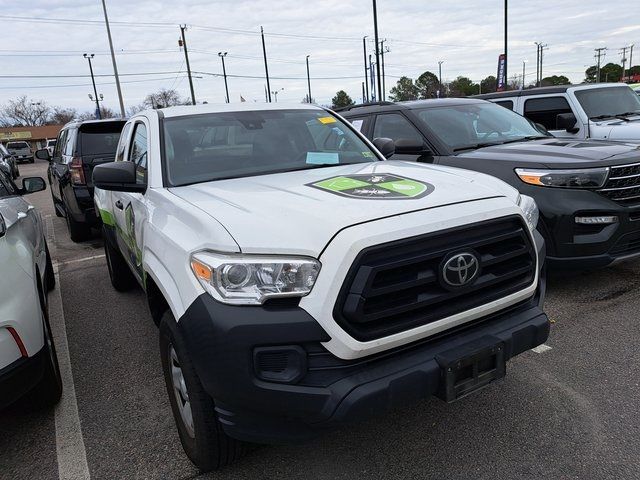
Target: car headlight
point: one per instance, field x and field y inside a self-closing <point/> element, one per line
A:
<point x="252" y="279"/>
<point x="578" y="178"/>
<point x="529" y="210"/>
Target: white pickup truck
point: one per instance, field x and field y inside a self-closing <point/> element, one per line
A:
<point x="601" y="111"/>
<point x="301" y="281"/>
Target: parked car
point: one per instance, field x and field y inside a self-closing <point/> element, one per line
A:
<point x="51" y="144"/>
<point x="588" y="192"/>
<point x="10" y="160"/>
<point x="21" y="151"/>
<point x="301" y="282"/>
<point x="28" y="365"/>
<point x="599" y="111"/>
<point x="79" y="148"/>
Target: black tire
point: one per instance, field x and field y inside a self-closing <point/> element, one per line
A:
<point x="33" y="160"/>
<point x="49" y="274"/>
<point x="47" y="392"/>
<point x="77" y="231"/>
<point x="209" y="448"/>
<point x="121" y="276"/>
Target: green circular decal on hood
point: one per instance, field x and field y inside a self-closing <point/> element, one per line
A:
<point x="375" y="186"/>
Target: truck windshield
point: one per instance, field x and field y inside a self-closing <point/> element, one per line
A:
<point x="608" y="102"/>
<point x="475" y="125"/>
<point x="201" y="148"/>
<point x="17" y="145"/>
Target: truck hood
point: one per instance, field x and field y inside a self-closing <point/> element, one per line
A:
<point x="616" y="129"/>
<point x="560" y="153"/>
<point x="299" y="212"/>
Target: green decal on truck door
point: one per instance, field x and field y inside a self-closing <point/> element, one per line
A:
<point x="375" y="186"/>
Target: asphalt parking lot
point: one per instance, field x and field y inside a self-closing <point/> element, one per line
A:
<point x="567" y="412"/>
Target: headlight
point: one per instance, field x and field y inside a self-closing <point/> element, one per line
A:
<point x="579" y="178"/>
<point x="529" y="210"/>
<point x="252" y="279"/>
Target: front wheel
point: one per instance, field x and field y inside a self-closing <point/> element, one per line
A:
<point x="202" y="437"/>
<point x="119" y="273"/>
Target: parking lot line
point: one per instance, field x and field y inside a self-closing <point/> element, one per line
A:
<point x="70" y="449"/>
<point x="541" y="348"/>
<point x="79" y="260"/>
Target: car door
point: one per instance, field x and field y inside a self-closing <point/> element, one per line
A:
<point x="130" y="211"/>
<point x="396" y="126"/>
<point x="545" y="110"/>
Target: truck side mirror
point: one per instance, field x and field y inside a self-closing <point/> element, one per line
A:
<point x="118" y="177"/>
<point x="43" y="154"/>
<point x="568" y="122"/>
<point x="410" y="146"/>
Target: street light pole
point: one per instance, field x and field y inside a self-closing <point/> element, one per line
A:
<point x="93" y="81"/>
<point x="113" y="60"/>
<point x="375" y="28"/>
<point x="266" y="68"/>
<point x="524" y="63"/>
<point x="308" y="80"/>
<point x="505" y="45"/>
<point x="440" y="62"/>
<point x="275" y="94"/>
<point x="366" y="69"/>
<point x="224" y="73"/>
<point x="186" y="58"/>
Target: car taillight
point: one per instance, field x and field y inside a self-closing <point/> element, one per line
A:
<point x="77" y="171"/>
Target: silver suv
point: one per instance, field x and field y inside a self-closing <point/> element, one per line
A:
<point x="21" y="151"/>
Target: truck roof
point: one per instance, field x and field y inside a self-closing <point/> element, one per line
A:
<point x="431" y="103"/>
<point x="185" y="110"/>
<point x="545" y="90"/>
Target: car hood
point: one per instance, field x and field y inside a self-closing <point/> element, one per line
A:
<point x="299" y="212"/>
<point x="618" y="130"/>
<point x="560" y="153"/>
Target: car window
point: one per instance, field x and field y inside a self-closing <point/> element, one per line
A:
<point x="138" y="152"/>
<point x="396" y="127"/>
<point x="600" y="102"/>
<point x="122" y="143"/>
<point x="545" y="110"/>
<point x="7" y="189"/>
<point x="207" y="147"/>
<point x="62" y="137"/>
<point x="508" y="104"/>
<point x="68" y="147"/>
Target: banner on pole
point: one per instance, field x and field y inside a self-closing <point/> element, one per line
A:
<point x="502" y="81"/>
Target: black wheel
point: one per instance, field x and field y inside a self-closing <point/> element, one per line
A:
<point x="49" y="276"/>
<point x="33" y="160"/>
<point x="201" y="434"/>
<point x="48" y="390"/>
<point x="121" y="277"/>
<point x="77" y="231"/>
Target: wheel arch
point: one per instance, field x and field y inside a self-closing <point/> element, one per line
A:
<point x="161" y="290"/>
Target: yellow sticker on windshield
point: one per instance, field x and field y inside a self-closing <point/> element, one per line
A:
<point x="326" y="120"/>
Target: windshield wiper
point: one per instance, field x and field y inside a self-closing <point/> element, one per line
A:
<point x="525" y="139"/>
<point x="620" y="116"/>
<point x="475" y="146"/>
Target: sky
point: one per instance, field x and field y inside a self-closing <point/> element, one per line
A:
<point x="43" y="40"/>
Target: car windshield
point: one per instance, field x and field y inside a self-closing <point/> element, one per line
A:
<point x="51" y="143"/>
<point x="608" y="102"/>
<point x="215" y="146"/>
<point x="475" y="125"/>
<point x="17" y="145"/>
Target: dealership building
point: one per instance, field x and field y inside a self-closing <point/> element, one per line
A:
<point x="36" y="136"/>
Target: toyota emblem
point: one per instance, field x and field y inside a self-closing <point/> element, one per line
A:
<point x="460" y="269"/>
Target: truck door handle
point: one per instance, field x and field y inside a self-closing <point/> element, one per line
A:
<point x="119" y="205"/>
<point x="21" y="215"/>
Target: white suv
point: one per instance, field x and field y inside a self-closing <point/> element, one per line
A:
<point x="28" y="364"/>
<point x="301" y="281"/>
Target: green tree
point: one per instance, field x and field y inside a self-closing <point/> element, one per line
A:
<point x="611" y="72"/>
<point x="489" y="84"/>
<point x="462" y="87"/>
<point x="342" y="100"/>
<point x="405" y="89"/>
<point x="427" y="85"/>
<point x="555" y="80"/>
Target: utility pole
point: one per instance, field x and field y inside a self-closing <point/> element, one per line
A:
<point x="383" y="50"/>
<point x="537" y="63"/>
<point x="266" y="67"/>
<point x="224" y="73"/>
<point x="440" y="91"/>
<point x="93" y="81"/>
<point x="630" y="60"/>
<point x="375" y="28"/>
<point x="600" y="52"/>
<point x="374" y="97"/>
<point x="308" y="79"/>
<point x="524" y="66"/>
<point x="366" y="69"/>
<point x="364" y="95"/>
<point x="542" y="49"/>
<point x="183" y="43"/>
<point x="623" y="52"/>
<point x="506" y="87"/>
<point x="113" y="60"/>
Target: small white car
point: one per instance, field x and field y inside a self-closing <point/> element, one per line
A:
<point x="601" y="111"/>
<point x="51" y="145"/>
<point x="29" y="370"/>
<point x="301" y="281"/>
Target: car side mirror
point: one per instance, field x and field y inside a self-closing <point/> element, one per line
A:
<point x="409" y="146"/>
<point x="386" y="146"/>
<point x="43" y="154"/>
<point x="118" y="177"/>
<point x="568" y="122"/>
<point x="33" y="184"/>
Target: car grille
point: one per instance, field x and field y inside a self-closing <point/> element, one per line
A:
<point x="623" y="185"/>
<point x="397" y="286"/>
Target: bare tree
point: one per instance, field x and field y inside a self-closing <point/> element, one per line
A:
<point x="164" y="98"/>
<point x="62" y="115"/>
<point x="25" y="112"/>
<point x="105" y="112"/>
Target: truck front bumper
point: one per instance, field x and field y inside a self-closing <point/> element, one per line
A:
<point x="273" y="382"/>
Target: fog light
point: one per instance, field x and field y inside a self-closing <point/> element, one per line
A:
<point x="603" y="220"/>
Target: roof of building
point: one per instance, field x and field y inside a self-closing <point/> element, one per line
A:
<point x="29" y="133"/>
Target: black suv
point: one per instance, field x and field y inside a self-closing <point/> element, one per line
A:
<point x="79" y="148"/>
<point x="588" y="192"/>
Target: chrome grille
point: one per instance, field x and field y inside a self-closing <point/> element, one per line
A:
<point x="623" y="184"/>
